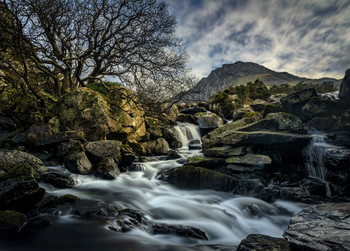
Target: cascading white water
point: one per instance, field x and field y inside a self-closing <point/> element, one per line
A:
<point x="314" y="163"/>
<point x="226" y="219"/>
<point x="187" y="132"/>
<point x="331" y="95"/>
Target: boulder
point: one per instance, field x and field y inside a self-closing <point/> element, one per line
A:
<point x="67" y="148"/>
<point x="321" y="107"/>
<point x="277" y="122"/>
<point x="282" y="140"/>
<point x="10" y="159"/>
<point x="192" y="177"/>
<point x="240" y="113"/>
<point x="293" y="103"/>
<point x="98" y="150"/>
<point x="325" y="124"/>
<point x="18" y="189"/>
<point x="11" y="222"/>
<point x="107" y="169"/>
<point x="208" y="120"/>
<point x="294" y="194"/>
<point x="171" y="113"/>
<point x="162" y="147"/>
<point x="271" y="108"/>
<point x="59" y="179"/>
<point x="258" y="105"/>
<point x="259" y="242"/>
<point x="7" y="123"/>
<point x="344" y="91"/>
<point x="195" y="144"/>
<point x="320" y="227"/>
<point x="253" y="188"/>
<point x="78" y="163"/>
<point x="171" y="136"/>
<point x="276" y="99"/>
<point x="226" y="151"/>
<point x="251" y="160"/>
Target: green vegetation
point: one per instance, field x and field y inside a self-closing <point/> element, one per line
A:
<point x="97" y="86"/>
<point x="20" y="171"/>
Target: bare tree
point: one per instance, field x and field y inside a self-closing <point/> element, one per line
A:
<point x="75" y="42"/>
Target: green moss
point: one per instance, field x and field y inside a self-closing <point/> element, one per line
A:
<point x="8" y="218"/>
<point x="250" y="114"/>
<point x="68" y="199"/>
<point x="97" y="86"/>
<point x="19" y="171"/>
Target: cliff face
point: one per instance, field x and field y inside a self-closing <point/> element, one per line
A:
<point x="241" y="73"/>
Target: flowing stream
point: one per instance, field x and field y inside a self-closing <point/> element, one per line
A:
<point x="226" y="219"/>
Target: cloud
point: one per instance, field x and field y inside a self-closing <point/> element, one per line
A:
<point x="307" y="38"/>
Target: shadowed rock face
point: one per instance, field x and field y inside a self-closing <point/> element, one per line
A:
<point x="259" y="242"/>
<point x="320" y="227"/>
<point x="344" y="92"/>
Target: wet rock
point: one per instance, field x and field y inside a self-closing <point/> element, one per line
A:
<point x="206" y="162"/>
<point x="57" y="138"/>
<point x="195" y="144"/>
<point x="193" y="177"/>
<point x="10" y="159"/>
<point x="314" y="186"/>
<point x="258" y="105"/>
<point x="128" y="157"/>
<point x="253" y="188"/>
<point x="324" y="124"/>
<point x="68" y="199"/>
<point x="107" y="169"/>
<point x="174" y="155"/>
<point x="67" y="148"/>
<point x="179" y="230"/>
<point x="293" y="103"/>
<point x="320" y="227"/>
<point x="170" y="136"/>
<point x="259" y="242"/>
<point x="19" y="190"/>
<point x="226" y="151"/>
<point x="46" y="203"/>
<point x="59" y="179"/>
<point x="294" y="193"/>
<point x="253" y="160"/>
<point x="97" y="150"/>
<point x="78" y="163"/>
<point x="39" y="221"/>
<point x="11" y="222"/>
<point x="127" y="220"/>
<point x="94" y="209"/>
<point x="344" y="92"/>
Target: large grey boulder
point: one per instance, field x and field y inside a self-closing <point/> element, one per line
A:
<point x="78" y="163"/>
<point x="320" y="227"/>
<point x="10" y="159"/>
<point x="98" y="150"/>
<point x="344" y="92"/>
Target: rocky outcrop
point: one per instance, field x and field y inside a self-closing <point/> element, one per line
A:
<point x="259" y="242"/>
<point x="88" y="111"/>
<point x="320" y="227"/>
<point x="208" y="121"/>
<point x="107" y="169"/>
<point x="10" y="159"/>
<point x="344" y="92"/>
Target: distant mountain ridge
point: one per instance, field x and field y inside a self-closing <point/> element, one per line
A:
<point x="241" y="73"/>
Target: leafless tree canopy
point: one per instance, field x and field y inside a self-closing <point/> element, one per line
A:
<point x="78" y="41"/>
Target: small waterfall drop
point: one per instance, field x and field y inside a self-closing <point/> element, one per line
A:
<point x="331" y="95"/>
<point x="187" y="132"/>
<point x="315" y="154"/>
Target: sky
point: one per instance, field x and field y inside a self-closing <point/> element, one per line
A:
<point x="307" y="38"/>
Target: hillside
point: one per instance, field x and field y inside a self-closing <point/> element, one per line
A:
<point x="243" y="72"/>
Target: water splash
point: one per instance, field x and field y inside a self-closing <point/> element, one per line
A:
<point x="187" y="132"/>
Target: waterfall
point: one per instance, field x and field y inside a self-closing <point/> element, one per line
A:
<point x="331" y="95"/>
<point x="187" y="132"/>
<point x="314" y="155"/>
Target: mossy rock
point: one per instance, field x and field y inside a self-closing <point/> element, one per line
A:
<point x="68" y="199"/>
<point x="193" y="177"/>
<point x="11" y="222"/>
<point x="206" y="162"/>
<point x="18" y="189"/>
<point x="271" y="108"/>
<point x="253" y="160"/>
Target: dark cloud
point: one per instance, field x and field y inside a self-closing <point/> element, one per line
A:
<point x="309" y="38"/>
